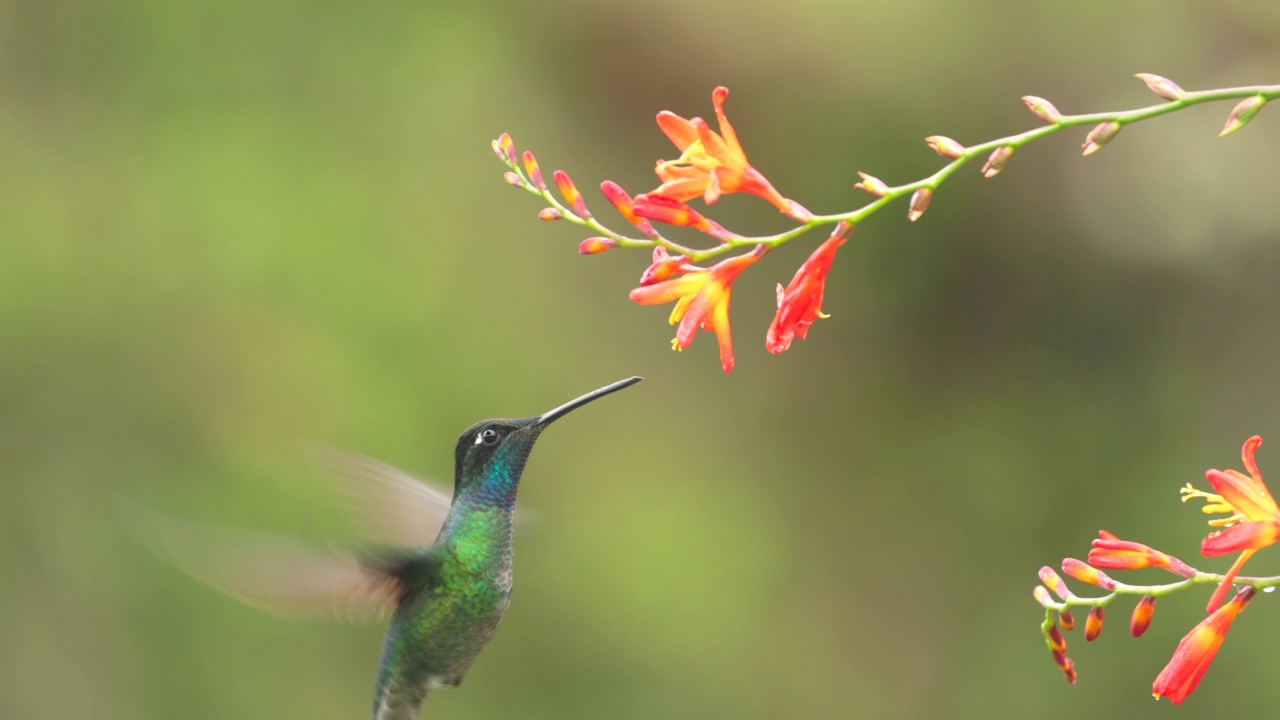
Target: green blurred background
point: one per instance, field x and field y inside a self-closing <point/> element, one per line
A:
<point x="233" y="228"/>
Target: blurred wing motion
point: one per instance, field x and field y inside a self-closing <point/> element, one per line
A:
<point x="272" y="572"/>
<point x="392" y="506"/>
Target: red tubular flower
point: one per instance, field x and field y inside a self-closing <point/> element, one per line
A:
<point x="672" y="212"/>
<point x="1093" y="624"/>
<point x="1197" y="650"/>
<point x="1252" y="514"/>
<point x="710" y="163"/>
<point x="619" y="198"/>
<point x="801" y="302"/>
<point x="664" y="266"/>
<point x="702" y="301"/>
<point x="1112" y="553"/>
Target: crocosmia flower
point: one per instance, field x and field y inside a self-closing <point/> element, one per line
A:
<point x="701" y="296"/>
<point x="1196" y="651"/>
<point x="1253" y="518"/>
<point x="710" y="163"/>
<point x="1112" y="553"/>
<point x="801" y="302"/>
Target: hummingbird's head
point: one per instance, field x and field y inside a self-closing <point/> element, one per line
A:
<point x="491" y="454"/>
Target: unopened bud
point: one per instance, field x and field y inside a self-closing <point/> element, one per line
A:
<point x="505" y="148"/>
<point x="549" y="214"/>
<point x="998" y="159"/>
<point x="1162" y="86"/>
<point x="513" y="178"/>
<point x="1084" y="573"/>
<point x="1041" y="594"/>
<point x="570" y="193"/>
<point x="945" y="146"/>
<point x="872" y="185"/>
<point x="919" y="203"/>
<point x="1142" y="612"/>
<point x="1054" y="582"/>
<point x="1069" y="670"/>
<point x="1093" y="624"/>
<point x="1042" y="109"/>
<point x="534" y="172"/>
<point x="594" y="245"/>
<point x="1242" y="113"/>
<point x="1057" y="643"/>
<point x="1100" y="135"/>
<point x="1066" y="620"/>
<point x="620" y="200"/>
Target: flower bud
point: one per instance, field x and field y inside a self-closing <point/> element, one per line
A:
<point x="664" y="266"/>
<point x="998" y="159"/>
<point x="1042" y="109"/>
<point x="570" y="193"/>
<point x="513" y="179"/>
<point x="1054" y="582"/>
<point x="1162" y="86"/>
<point x="594" y="245"/>
<point x="1142" y="612"/>
<point x="919" y="203"/>
<point x="1057" y="643"/>
<point x="1041" y="594"/>
<point x="1086" y="574"/>
<point x="1242" y="113"/>
<point x="1066" y="620"/>
<point x="945" y="146"/>
<point x="673" y="212"/>
<point x="872" y="185"/>
<point x="621" y="201"/>
<point x="1100" y="135"/>
<point x="1093" y="624"/>
<point x="549" y="214"/>
<point x="505" y="148"/>
<point x="534" y="172"/>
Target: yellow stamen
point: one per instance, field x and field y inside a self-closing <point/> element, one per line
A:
<point x="823" y="315"/>
<point x="678" y="311"/>
<point x="1214" y="504"/>
<point x="675" y="344"/>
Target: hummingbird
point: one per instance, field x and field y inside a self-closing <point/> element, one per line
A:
<point x="446" y="596"/>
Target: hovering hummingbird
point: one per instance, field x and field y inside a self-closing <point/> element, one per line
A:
<point x="446" y="596"/>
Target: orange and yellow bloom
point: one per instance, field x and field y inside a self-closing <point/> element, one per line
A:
<point x="712" y="164"/>
<point x="1197" y="650"/>
<point x="801" y="302"/>
<point x="702" y="297"/>
<point x="1253" y="518"/>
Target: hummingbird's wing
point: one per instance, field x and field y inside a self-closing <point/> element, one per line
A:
<point x="393" y="506"/>
<point x="279" y="574"/>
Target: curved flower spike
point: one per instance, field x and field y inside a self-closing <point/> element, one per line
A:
<point x="702" y="301"/>
<point x="801" y="302"/>
<point x="711" y="164"/>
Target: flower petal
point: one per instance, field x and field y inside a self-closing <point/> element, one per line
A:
<point x="1244" y="536"/>
<point x="680" y="131"/>
<point x="1241" y="491"/>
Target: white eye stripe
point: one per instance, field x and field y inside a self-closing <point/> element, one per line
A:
<point x="479" y="438"/>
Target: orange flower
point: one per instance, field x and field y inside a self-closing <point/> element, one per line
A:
<point x="1253" y="518"/>
<point x="801" y="303"/>
<point x="711" y="163"/>
<point x="702" y="301"/>
<point x="1196" y="651"/>
<point x="1112" y="553"/>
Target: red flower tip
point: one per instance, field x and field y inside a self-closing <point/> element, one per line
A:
<point x="1141" y="618"/>
<point x="1196" y="651"/>
<point x="595" y="245"/>
<point x="800" y="303"/>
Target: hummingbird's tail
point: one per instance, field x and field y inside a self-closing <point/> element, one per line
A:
<point x="395" y="703"/>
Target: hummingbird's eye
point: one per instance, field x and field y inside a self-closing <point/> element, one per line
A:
<point x="488" y="437"/>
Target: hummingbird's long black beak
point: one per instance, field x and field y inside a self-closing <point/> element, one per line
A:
<point x="564" y="409"/>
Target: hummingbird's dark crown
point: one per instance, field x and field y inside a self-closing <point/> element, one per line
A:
<point x="494" y="452"/>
